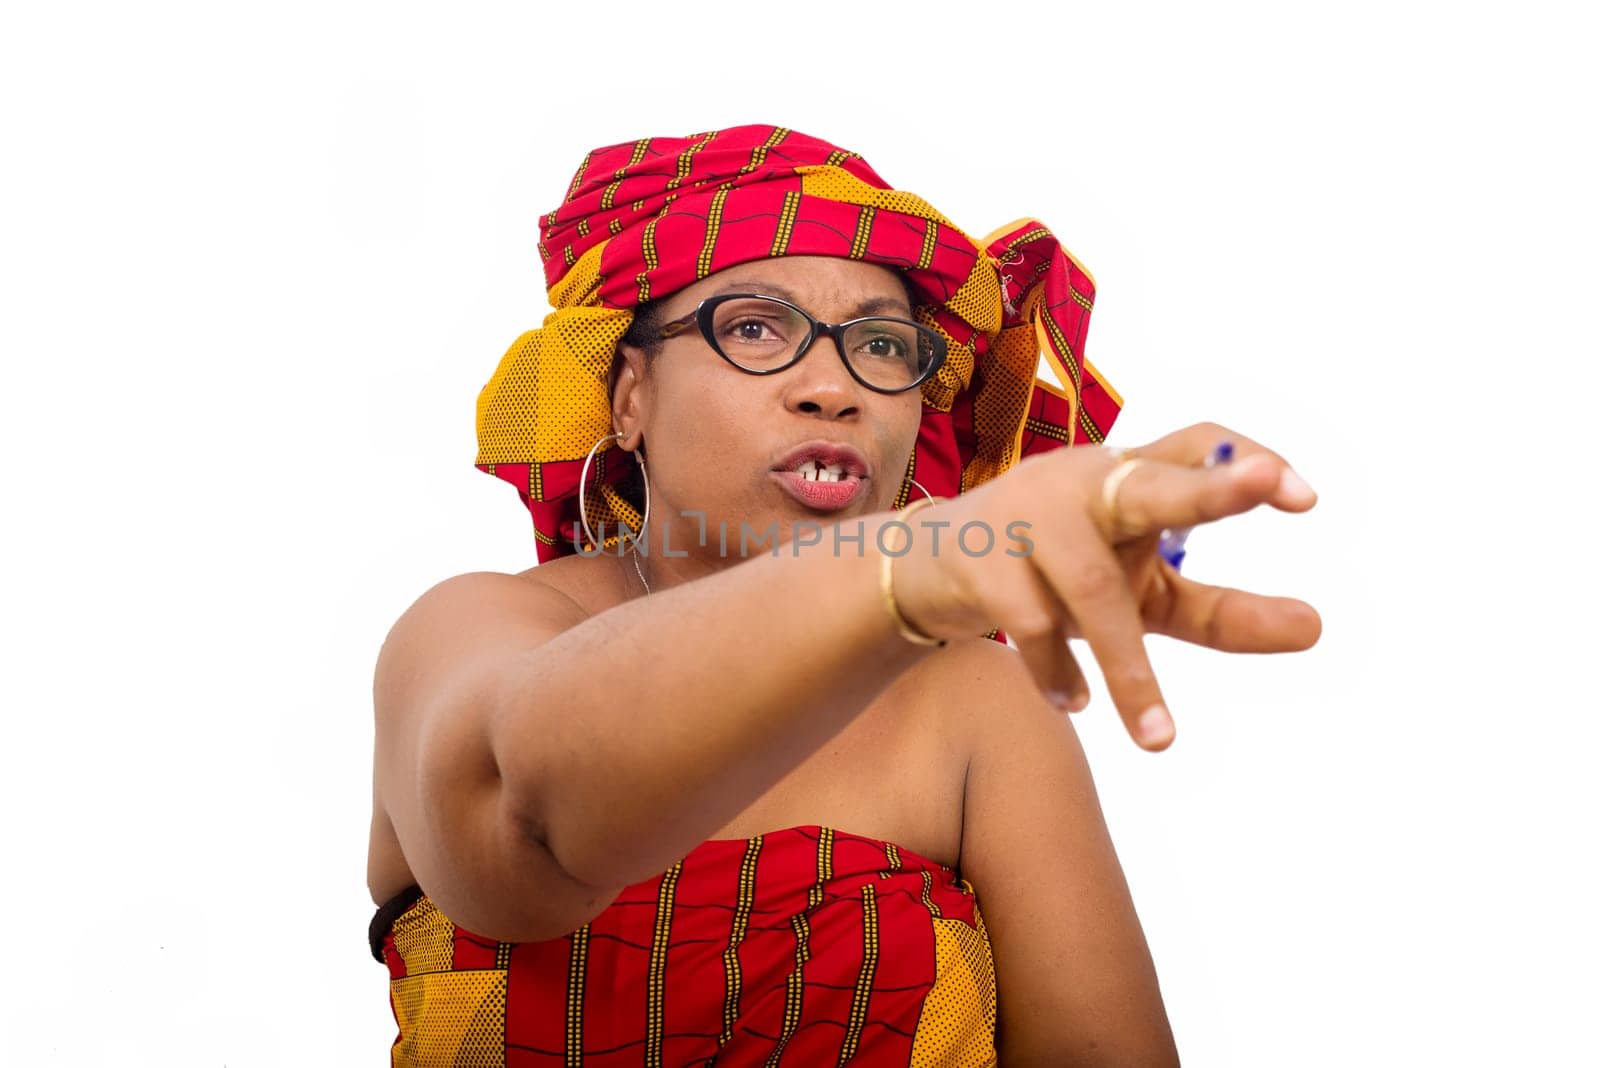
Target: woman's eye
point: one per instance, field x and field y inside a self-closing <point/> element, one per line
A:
<point x="752" y="330"/>
<point x="885" y="346"/>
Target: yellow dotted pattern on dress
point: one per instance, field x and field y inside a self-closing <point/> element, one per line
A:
<point x="425" y="938"/>
<point x="577" y="985"/>
<point x="927" y="895"/>
<point x="794" y="987"/>
<point x="957" y="1026"/>
<point x="656" y="982"/>
<point x="824" y="867"/>
<point x="869" y="969"/>
<point x="741" y="926"/>
<point x="454" y="1018"/>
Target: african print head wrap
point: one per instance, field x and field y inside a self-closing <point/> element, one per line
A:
<point x="646" y="218"/>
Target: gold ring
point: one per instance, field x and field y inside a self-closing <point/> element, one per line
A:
<point x="1125" y="464"/>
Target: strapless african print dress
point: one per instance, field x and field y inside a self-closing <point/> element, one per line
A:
<point x="806" y="946"/>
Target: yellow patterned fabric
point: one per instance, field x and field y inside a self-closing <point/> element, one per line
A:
<point x="962" y="1001"/>
<point x="455" y="1018"/>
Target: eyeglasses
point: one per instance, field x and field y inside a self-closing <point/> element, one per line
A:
<point x="764" y="335"/>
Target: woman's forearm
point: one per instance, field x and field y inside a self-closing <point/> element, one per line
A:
<point x="632" y="737"/>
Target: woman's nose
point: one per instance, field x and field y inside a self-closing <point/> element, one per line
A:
<point x="820" y="384"/>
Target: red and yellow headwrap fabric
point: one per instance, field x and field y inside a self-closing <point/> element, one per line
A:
<point x="646" y="218"/>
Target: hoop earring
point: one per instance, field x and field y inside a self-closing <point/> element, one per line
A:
<point x="583" y="480"/>
<point x="644" y="476"/>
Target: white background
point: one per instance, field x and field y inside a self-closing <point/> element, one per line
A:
<point x="259" y="260"/>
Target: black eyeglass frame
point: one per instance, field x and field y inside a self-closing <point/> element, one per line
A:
<point x="704" y="317"/>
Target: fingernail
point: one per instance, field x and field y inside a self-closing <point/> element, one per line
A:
<point x="1079" y="703"/>
<point x="1292" y="485"/>
<point x="1155" y="725"/>
<point x="1059" y="699"/>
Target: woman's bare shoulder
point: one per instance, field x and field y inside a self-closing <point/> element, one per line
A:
<point x="560" y="591"/>
<point x="973" y="672"/>
<point x="965" y="692"/>
<point x="590" y="584"/>
<point x="462" y="621"/>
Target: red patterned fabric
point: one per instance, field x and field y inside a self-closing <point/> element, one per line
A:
<point x="807" y="945"/>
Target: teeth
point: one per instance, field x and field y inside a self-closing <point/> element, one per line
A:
<point x="811" y="471"/>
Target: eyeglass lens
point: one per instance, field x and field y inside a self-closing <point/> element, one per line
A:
<point x="760" y="334"/>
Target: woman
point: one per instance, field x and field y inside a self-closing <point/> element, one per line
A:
<point x="726" y="778"/>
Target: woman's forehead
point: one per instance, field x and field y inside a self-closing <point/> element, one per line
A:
<point x="805" y="280"/>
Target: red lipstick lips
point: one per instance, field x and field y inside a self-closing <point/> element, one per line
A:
<point x="824" y="475"/>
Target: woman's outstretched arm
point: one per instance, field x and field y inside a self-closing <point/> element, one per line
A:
<point x="534" y="760"/>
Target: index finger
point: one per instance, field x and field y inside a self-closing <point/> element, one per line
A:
<point x="1191" y="445"/>
<point x="1155" y="495"/>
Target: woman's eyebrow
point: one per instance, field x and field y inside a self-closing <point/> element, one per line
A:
<point x="882" y="304"/>
<point x="753" y="286"/>
<point x="870" y="306"/>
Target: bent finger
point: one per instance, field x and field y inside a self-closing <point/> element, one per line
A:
<point x="1085" y="574"/>
<point x="1050" y="661"/>
<point x="1035" y="619"/>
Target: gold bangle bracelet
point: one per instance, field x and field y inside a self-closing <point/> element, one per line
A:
<point x="886" y="582"/>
